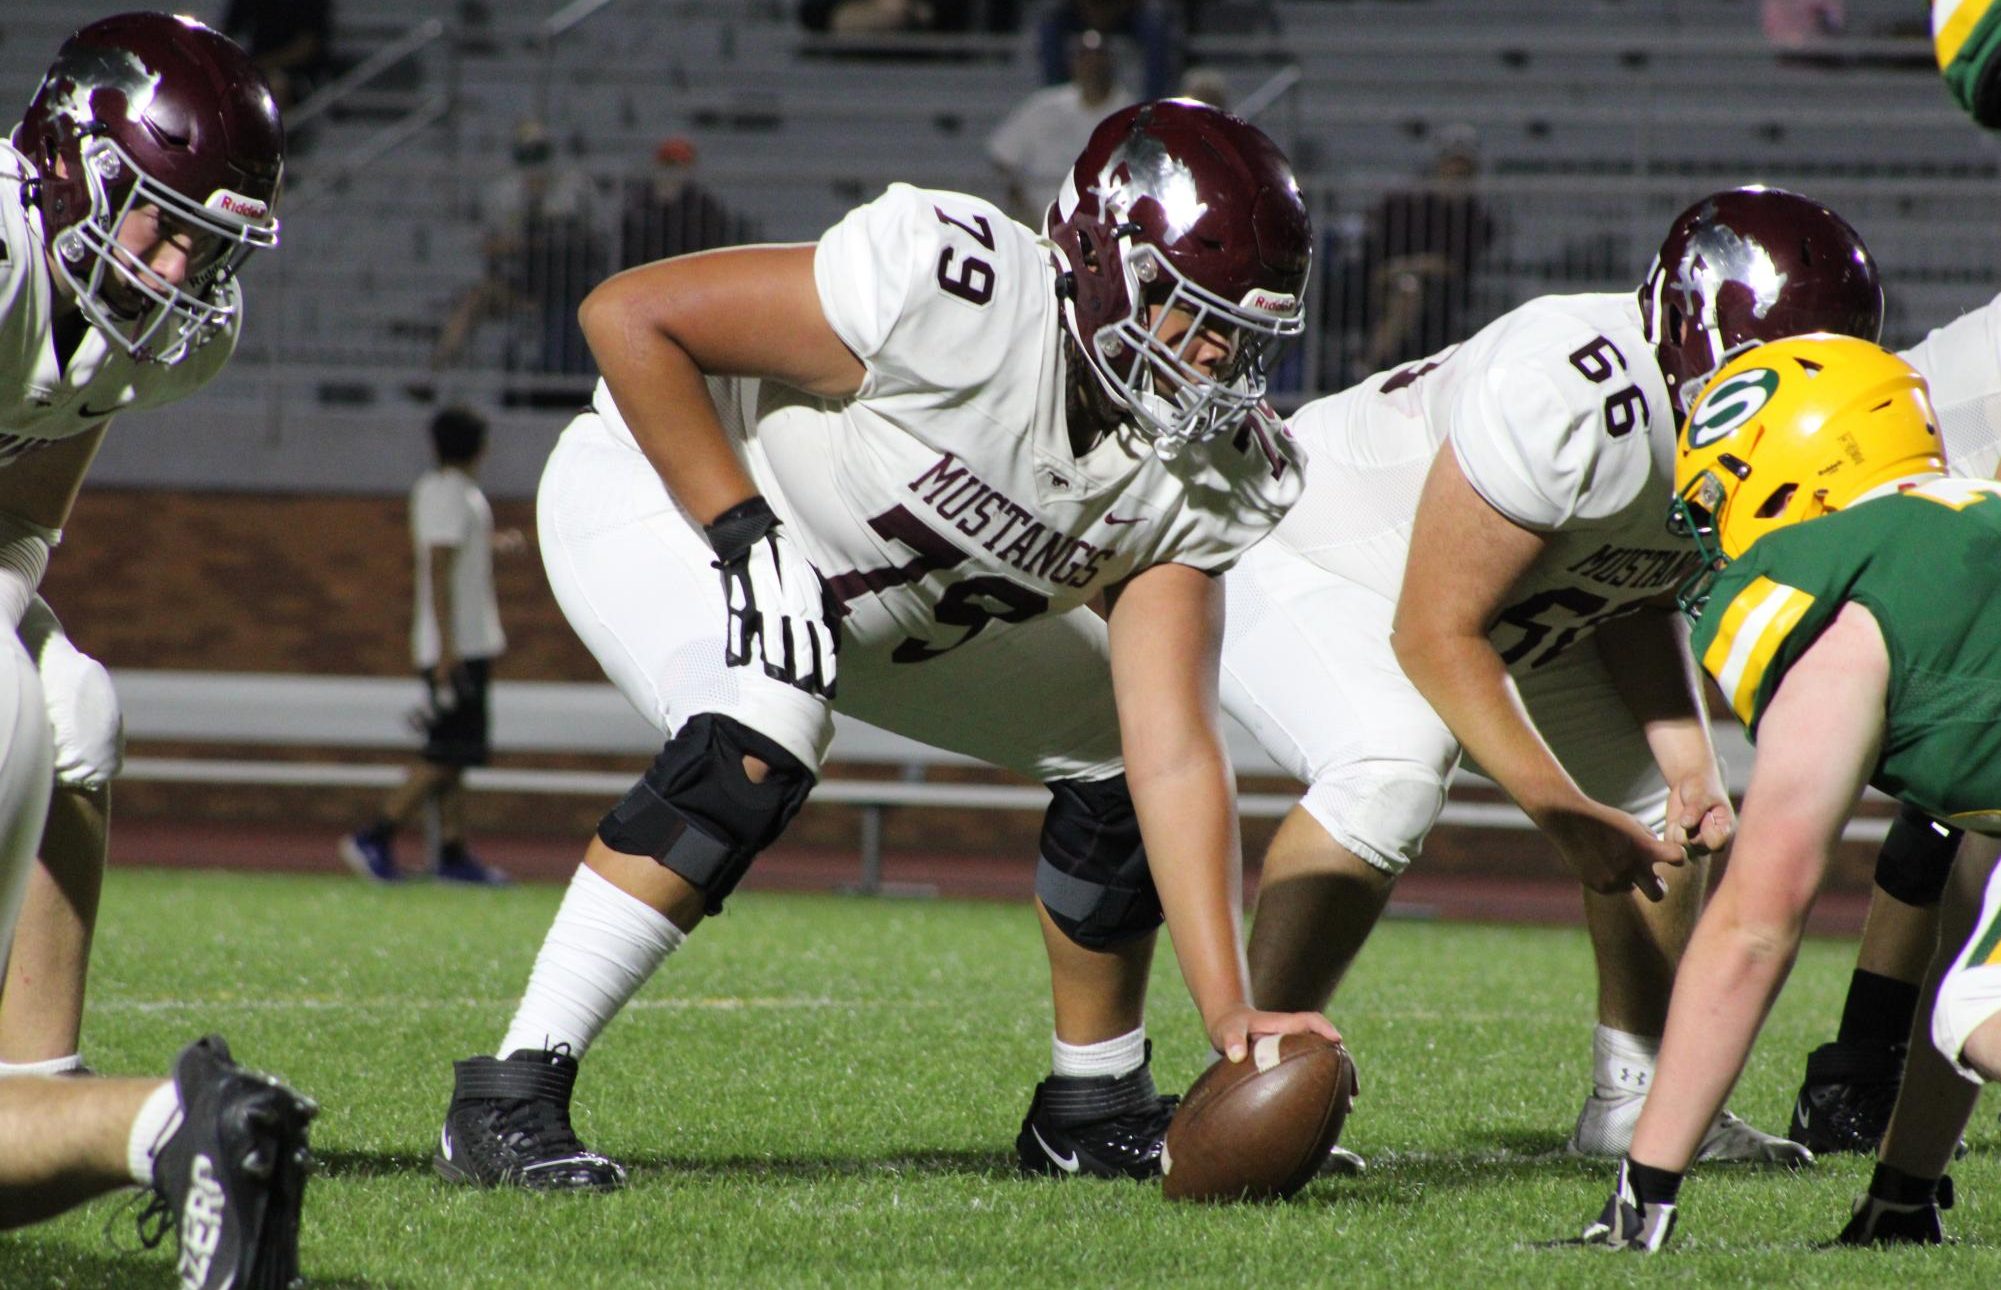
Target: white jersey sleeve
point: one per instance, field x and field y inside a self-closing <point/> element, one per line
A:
<point x="1540" y="420"/>
<point x="1961" y="362"/>
<point x="912" y="283"/>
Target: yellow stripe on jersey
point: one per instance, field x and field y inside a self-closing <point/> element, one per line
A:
<point x="1754" y="625"/>
<point x="1952" y="22"/>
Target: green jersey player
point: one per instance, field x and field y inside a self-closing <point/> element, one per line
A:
<point x="1848" y="650"/>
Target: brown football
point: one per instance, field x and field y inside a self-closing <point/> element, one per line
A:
<point x="1260" y="1128"/>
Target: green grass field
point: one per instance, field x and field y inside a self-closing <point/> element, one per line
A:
<point x="825" y="1091"/>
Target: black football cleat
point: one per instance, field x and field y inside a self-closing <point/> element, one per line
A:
<point x="509" y="1126"/>
<point x="1844" y="1103"/>
<point x="232" y="1177"/>
<point x="1101" y="1126"/>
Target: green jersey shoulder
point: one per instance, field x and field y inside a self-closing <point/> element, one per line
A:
<point x="1926" y="564"/>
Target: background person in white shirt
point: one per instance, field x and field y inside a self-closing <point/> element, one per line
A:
<point x="1034" y="147"/>
<point x="454" y="637"/>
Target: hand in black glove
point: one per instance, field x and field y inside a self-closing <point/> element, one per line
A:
<point x="778" y="610"/>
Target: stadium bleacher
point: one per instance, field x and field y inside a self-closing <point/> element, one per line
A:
<point x="1597" y="120"/>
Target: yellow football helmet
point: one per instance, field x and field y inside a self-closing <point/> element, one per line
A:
<point x="1792" y="430"/>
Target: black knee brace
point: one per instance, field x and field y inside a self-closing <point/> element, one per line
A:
<point x="1916" y="860"/>
<point x="697" y="813"/>
<point x="1092" y="877"/>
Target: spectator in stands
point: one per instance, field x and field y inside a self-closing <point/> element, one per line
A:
<point x="454" y="637"/>
<point x="540" y="254"/>
<point x="1035" y="145"/>
<point x="1148" y="22"/>
<point x="1424" y="244"/>
<point x="862" y="17"/>
<point x="291" y="41"/>
<point x="666" y="212"/>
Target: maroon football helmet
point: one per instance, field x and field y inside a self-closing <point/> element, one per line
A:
<point x="1749" y="265"/>
<point x="149" y="110"/>
<point x="1176" y="204"/>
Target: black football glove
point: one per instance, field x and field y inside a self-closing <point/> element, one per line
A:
<point x="1899" y="1209"/>
<point x="1628" y="1222"/>
<point x="778" y="610"/>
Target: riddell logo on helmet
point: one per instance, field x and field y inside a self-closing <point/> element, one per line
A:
<point x="238" y="205"/>
<point x="1271" y="302"/>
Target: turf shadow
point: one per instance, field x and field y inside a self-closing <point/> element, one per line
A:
<point x="926" y="1164"/>
<point x="356" y="1165"/>
<point x="369" y="1164"/>
<point x="29" y="1264"/>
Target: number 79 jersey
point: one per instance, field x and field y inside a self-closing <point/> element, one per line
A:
<point x="1926" y="564"/>
<point x="945" y="497"/>
<point x="1557" y="415"/>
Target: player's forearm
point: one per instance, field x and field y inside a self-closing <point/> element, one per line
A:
<point x="664" y="398"/>
<point x="1648" y="658"/>
<point x="1464" y="681"/>
<point x="1187" y="814"/>
<point x="1723" y="990"/>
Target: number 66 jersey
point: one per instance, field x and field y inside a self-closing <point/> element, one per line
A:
<point x="943" y="504"/>
<point x="1559" y="418"/>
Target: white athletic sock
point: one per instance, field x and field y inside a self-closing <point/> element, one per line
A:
<point x="1622" y="1062"/>
<point x="1120" y="1056"/>
<point x="602" y="947"/>
<point x="159" y="1117"/>
<point x="53" y="1066"/>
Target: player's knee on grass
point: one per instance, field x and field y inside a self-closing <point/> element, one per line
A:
<point x="700" y="814"/>
<point x="1380" y="812"/>
<point x="1092" y="876"/>
<point x="1916" y="860"/>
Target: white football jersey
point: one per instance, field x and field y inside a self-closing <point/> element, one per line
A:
<point x="945" y="495"/>
<point x="1961" y="361"/>
<point x="1559" y="418"/>
<point x="44" y="398"/>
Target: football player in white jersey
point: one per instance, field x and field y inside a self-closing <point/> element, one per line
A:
<point x="917" y="450"/>
<point x="143" y="173"/>
<point x="1479" y="563"/>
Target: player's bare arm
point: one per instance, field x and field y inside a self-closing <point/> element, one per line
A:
<point x="1465" y="558"/>
<point x="1166" y="638"/>
<point x="1648" y="657"/>
<point x="42" y="486"/>
<point x="657" y="330"/>
<point x="1816" y="746"/>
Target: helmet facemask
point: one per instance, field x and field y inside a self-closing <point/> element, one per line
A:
<point x="1696" y="516"/>
<point x="1148" y="366"/>
<point x="171" y="318"/>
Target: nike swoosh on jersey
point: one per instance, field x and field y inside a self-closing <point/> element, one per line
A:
<point x="1116" y="519"/>
<point x="1068" y="1164"/>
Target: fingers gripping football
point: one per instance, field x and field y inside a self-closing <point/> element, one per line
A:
<point x="779" y="616"/>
